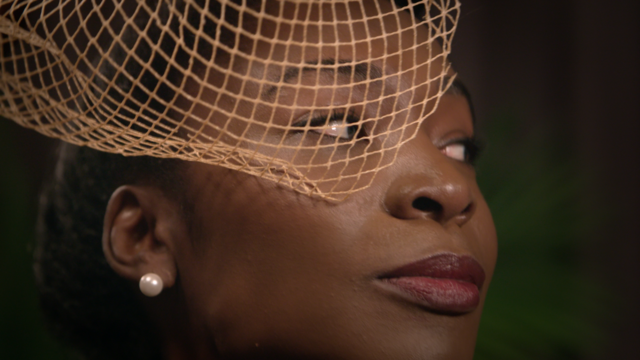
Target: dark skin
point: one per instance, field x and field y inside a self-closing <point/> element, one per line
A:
<point x="263" y="272"/>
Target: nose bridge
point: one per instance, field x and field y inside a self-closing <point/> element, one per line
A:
<point x="428" y="184"/>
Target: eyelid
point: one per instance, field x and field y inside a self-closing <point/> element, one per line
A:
<point x="307" y="119"/>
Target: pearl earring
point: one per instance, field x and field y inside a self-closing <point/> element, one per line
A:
<point x="151" y="284"/>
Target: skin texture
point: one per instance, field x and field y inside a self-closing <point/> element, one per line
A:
<point x="262" y="272"/>
<point x="267" y="273"/>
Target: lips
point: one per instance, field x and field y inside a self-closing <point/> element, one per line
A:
<point x="444" y="283"/>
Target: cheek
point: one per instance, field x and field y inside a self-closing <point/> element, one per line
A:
<point x="264" y="263"/>
<point x="486" y="245"/>
<point x="280" y="270"/>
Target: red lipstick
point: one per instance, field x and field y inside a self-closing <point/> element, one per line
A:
<point x="444" y="283"/>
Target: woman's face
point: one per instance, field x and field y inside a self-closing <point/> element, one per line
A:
<point x="399" y="270"/>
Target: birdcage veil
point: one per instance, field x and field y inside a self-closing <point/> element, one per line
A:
<point x="315" y="95"/>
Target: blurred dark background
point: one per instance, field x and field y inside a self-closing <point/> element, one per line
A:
<point x="556" y="86"/>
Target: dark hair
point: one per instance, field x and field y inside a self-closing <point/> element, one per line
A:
<point x="86" y="304"/>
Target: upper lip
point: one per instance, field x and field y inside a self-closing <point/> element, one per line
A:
<point x="443" y="266"/>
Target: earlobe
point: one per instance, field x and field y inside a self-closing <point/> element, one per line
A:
<point x="131" y="242"/>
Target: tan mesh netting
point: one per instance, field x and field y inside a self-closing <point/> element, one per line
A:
<point x="315" y="95"/>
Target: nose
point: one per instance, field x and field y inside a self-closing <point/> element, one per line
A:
<point x="433" y="188"/>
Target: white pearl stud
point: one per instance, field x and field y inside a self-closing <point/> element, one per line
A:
<point x="151" y="284"/>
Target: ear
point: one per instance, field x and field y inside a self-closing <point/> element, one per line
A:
<point x="141" y="231"/>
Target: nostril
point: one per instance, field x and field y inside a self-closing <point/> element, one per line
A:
<point x="468" y="209"/>
<point x="427" y="205"/>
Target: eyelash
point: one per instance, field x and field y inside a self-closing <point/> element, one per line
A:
<point x="472" y="146"/>
<point x="323" y="121"/>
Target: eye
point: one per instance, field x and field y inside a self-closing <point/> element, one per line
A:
<point x="455" y="151"/>
<point x="336" y="129"/>
<point x="465" y="150"/>
<point x="337" y="125"/>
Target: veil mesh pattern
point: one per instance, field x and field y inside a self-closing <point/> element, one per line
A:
<point x="315" y="95"/>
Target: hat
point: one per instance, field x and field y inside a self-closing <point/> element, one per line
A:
<point x="315" y="95"/>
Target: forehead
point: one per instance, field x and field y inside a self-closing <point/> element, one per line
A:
<point x="277" y="34"/>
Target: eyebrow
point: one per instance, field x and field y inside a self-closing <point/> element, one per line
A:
<point x="361" y="71"/>
<point x="459" y="88"/>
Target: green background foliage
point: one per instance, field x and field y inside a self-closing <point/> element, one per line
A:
<point x="540" y="305"/>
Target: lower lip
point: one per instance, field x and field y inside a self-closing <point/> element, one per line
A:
<point x="448" y="296"/>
